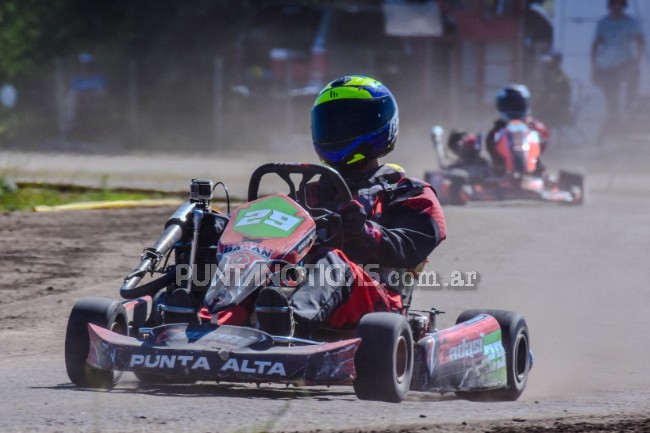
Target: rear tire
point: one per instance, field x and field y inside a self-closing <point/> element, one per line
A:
<point x="516" y="342"/>
<point x="384" y="360"/>
<point x="108" y="314"/>
<point x="459" y="178"/>
<point x="575" y="184"/>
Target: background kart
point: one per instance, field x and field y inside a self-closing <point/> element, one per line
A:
<point x="161" y="333"/>
<point x="456" y="184"/>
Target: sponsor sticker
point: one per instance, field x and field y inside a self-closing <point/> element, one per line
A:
<point x="268" y="368"/>
<point x="466" y="349"/>
<point x="169" y="361"/>
<point x="253" y="247"/>
<point x="272" y="217"/>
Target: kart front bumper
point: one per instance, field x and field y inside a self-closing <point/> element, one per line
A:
<point x="234" y="354"/>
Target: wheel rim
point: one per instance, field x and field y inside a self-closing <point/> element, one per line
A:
<point x="522" y="358"/>
<point x="118" y="328"/>
<point x="401" y="359"/>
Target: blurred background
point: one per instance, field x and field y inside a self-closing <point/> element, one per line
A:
<point x="227" y="75"/>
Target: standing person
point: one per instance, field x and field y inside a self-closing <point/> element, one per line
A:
<point x="616" y="56"/>
<point x="552" y="90"/>
<point x="85" y="114"/>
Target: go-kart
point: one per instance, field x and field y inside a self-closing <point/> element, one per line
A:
<point x="163" y="333"/>
<point x="520" y="179"/>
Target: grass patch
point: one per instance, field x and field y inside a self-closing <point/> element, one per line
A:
<point x="25" y="198"/>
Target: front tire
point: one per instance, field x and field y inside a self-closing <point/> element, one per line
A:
<point x="384" y="360"/>
<point x="108" y="314"/>
<point x="516" y="342"/>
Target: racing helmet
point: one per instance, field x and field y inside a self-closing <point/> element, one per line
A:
<point x="354" y="119"/>
<point x="466" y="146"/>
<point x="512" y="102"/>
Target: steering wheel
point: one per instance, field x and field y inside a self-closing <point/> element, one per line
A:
<point x="325" y="217"/>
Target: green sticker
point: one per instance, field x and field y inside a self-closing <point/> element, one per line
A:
<point x="269" y="218"/>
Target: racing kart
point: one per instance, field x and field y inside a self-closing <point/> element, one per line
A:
<point x="163" y="334"/>
<point x="520" y="179"/>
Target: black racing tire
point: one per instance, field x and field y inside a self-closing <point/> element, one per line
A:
<point x="432" y="178"/>
<point x="516" y="343"/>
<point x="458" y="178"/>
<point x="384" y="360"/>
<point x="108" y="314"/>
<point x="575" y="184"/>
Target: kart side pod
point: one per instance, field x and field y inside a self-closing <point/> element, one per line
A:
<point x="485" y="356"/>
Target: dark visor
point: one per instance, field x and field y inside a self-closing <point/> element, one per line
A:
<point x="340" y="120"/>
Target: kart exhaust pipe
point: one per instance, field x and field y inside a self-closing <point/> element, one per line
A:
<point x="174" y="231"/>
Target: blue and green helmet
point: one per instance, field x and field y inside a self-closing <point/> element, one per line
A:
<point x="354" y="118"/>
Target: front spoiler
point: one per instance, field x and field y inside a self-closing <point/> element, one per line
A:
<point x="228" y="353"/>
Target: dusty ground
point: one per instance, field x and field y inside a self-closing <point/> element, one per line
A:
<point x="579" y="275"/>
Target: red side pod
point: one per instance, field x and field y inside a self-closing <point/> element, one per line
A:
<point x="460" y="357"/>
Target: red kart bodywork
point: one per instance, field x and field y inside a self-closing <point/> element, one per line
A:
<point x="288" y="246"/>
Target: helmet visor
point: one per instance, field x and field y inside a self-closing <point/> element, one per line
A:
<point x="336" y="122"/>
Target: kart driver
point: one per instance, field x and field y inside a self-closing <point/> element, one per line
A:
<point x="393" y="222"/>
<point x="512" y="103"/>
<point x="467" y="148"/>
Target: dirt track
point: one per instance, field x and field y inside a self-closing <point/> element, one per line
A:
<point x="579" y="275"/>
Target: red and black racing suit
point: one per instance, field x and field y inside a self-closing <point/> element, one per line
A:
<point x="404" y="224"/>
<point x="498" y="164"/>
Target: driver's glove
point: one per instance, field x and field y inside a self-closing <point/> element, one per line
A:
<point x="353" y="218"/>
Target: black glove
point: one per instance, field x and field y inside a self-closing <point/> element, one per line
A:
<point x="353" y="218"/>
